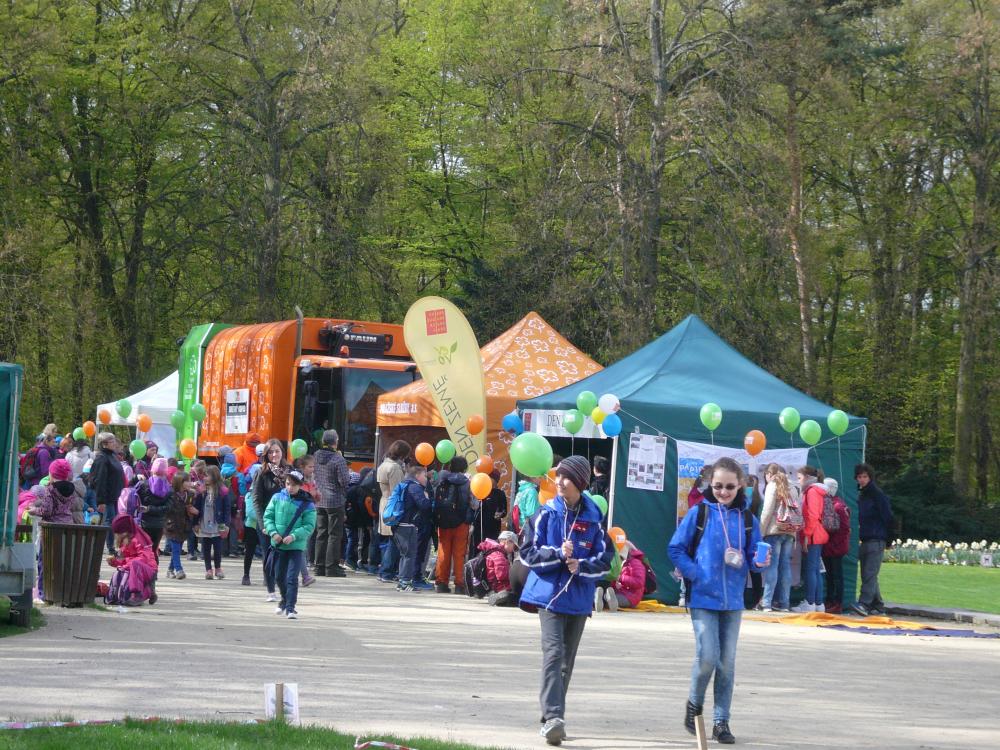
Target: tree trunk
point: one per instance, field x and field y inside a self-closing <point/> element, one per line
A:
<point x="793" y="228"/>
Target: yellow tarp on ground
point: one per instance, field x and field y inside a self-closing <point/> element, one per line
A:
<point x="806" y="619"/>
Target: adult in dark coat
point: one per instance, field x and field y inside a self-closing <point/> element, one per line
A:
<point x="107" y="479"/>
<point x="875" y="523"/>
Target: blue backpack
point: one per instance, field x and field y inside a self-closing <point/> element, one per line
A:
<point x="396" y="505"/>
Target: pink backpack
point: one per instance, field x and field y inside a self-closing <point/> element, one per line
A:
<point x="129" y="504"/>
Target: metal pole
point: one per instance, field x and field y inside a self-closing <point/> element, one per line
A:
<point x="614" y="481"/>
<point x="300" y="321"/>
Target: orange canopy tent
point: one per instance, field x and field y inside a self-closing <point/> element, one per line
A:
<point x="530" y="359"/>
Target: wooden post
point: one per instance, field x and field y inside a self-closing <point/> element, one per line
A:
<point x="699" y="730"/>
<point x="279" y="702"/>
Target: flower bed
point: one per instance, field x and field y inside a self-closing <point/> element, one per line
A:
<point x="926" y="552"/>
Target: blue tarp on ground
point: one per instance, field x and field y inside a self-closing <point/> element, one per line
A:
<point x="662" y="388"/>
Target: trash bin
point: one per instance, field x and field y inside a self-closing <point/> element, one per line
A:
<point x="71" y="562"/>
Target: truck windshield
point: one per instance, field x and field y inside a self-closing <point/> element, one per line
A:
<point x="361" y="391"/>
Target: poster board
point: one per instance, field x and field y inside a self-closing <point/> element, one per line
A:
<point x="237" y="411"/>
<point x="647" y="462"/>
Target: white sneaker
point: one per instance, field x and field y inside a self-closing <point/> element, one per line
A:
<point x="292" y="615"/>
<point x="611" y="599"/>
<point x="819" y="608"/>
<point x="803" y="607"/>
<point x="271" y="598"/>
<point x="598" y="600"/>
<point x="279" y="611"/>
<point x="554" y="731"/>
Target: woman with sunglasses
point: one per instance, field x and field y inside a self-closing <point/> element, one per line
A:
<point x="716" y="562"/>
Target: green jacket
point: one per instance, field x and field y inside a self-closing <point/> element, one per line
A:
<point x="279" y="514"/>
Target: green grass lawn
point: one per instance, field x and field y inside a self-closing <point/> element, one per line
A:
<point x="955" y="586"/>
<point x="165" y="735"/>
<point x="7" y="629"/>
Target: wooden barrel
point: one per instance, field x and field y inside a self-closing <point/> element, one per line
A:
<point x="71" y="562"/>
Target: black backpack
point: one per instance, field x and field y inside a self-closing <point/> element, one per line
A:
<point x="357" y="513"/>
<point x="451" y="509"/>
<point x="475" y="576"/>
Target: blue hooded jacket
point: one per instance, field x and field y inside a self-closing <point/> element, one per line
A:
<point x="550" y="585"/>
<point x="715" y="585"/>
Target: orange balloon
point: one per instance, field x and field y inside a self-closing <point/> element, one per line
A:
<point x="617" y="534"/>
<point x="548" y="485"/>
<point x="104" y="416"/>
<point x="424" y="454"/>
<point x="189" y="448"/>
<point x="475" y="424"/>
<point x="754" y="442"/>
<point x="89" y="429"/>
<point x="485" y="464"/>
<point x="544" y="496"/>
<point x="481" y="486"/>
<point x="144" y="422"/>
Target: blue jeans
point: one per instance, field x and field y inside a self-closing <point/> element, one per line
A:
<point x="358" y="543"/>
<point x="110" y="511"/>
<point x="390" y="557"/>
<point x="423" y="548"/>
<point x="715" y="636"/>
<point x="375" y="549"/>
<point x="778" y="575"/>
<point x="811" y="575"/>
<point x="175" y="555"/>
<point x="405" y="536"/>
<point x="288" y="566"/>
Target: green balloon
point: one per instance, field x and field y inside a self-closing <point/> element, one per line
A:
<point x="711" y="416"/>
<point x="838" y="422"/>
<point x="810" y="432"/>
<point x="197" y="412"/>
<point x="137" y="448"/>
<point x="177" y="419"/>
<point x="573" y="421"/>
<point x="789" y="419"/>
<point x="79" y="434"/>
<point x="601" y="503"/>
<point x="531" y="454"/>
<point x="445" y="450"/>
<point x="298" y="448"/>
<point x="586" y="402"/>
<point x="124" y="408"/>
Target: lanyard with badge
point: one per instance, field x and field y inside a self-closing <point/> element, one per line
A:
<point x="733" y="557"/>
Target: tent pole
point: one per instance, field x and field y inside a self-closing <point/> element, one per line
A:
<point x="614" y="480"/>
<point x="375" y="461"/>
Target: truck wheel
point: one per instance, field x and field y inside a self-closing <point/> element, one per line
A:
<point x="20" y="610"/>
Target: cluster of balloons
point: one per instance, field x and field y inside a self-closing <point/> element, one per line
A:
<point x="88" y="430"/>
<point x="601" y="410"/>
<point x="810" y="430"/>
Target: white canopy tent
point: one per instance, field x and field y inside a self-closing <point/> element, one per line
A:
<point x="159" y="401"/>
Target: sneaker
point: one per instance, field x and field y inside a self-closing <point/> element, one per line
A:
<point x="292" y="615"/>
<point x="180" y="575"/>
<point x="272" y="597"/>
<point x="337" y="572"/>
<point x="404" y="586"/>
<point x="819" y="608"/>
<point x="689" y="713"/>
<point x="279" y="610"/>
<point x="860" y="609"/>
<point x="611" y="599"/>
<point x="554" y="731"/>
<point x="803" y="607"/>
<point x="308" y="580"/>
<point x="352" y="566"/>
<point x="245" y="581"/>
<point x="219" y="574"/>
<point x="442" y="588"/>
<point x="423" y="586"/>
<point x="208" y="575"/>
<point x="387" y="579"/>
<point x="152" y="598"/>
<point x="192" y="557"/>
<point x="721" y="733"/>
<point x="170" y="573"/>
<point x="598" y="600"/>
<point x="767" y="609"/>
<point x="460" y="588"/>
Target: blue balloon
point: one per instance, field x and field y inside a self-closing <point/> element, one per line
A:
<point x="512" y="423"/>
<point x="612" y="425"/>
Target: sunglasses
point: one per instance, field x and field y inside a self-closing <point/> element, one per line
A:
<point x="720" y="486"/>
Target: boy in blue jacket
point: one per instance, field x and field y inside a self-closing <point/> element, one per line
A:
<point x="566" y="557"/>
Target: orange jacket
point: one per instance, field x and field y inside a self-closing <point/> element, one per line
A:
<point x="812" y="513"/>
<point x="245" y="458"/>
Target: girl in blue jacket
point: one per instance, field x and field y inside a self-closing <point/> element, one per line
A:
<point x="717" y="568"/>
<point x="566" y="558"/>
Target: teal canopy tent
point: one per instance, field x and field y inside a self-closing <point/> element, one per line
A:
<point x="662" y="388"/>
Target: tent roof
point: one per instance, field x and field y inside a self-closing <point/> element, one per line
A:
<point x="527" y="360"/>
<point x="158" y="401"/>
<point x="686" y="367"/>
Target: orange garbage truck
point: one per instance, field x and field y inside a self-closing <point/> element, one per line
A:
<point x="292" y="379"/>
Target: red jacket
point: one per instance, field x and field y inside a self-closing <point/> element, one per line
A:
<point x="497" y="565"/>
<point x="632" y="581"/>
<point x="812" y="512"/>
<point x="840" y="540"/>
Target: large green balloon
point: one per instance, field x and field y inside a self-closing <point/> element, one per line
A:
<point x="444" y="450"/>
<point x="573" y="421"/>
<point x="137" y="448"/>
<point x="124" y="408"/>
<point x="711" y="416"/>
<point x="531" y="454"/>
<point x="586" y="402"/>
<point x="79" y="434"/>
<point x="838" y="422"/>
<point x="298" y="448"/>
<point x="177" y="419"/>
<point x="789" y="419"/>
<point x="810" y="432"/>
<point x="601" y="503"/>
<point x="197" y="412"/>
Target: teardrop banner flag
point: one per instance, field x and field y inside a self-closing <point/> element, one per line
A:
<point x="444" y="347"/>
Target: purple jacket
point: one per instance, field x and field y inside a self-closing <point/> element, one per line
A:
<point x="55" y="507"/>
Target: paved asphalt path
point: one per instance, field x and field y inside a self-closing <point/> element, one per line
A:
<point x="369" y="659"/>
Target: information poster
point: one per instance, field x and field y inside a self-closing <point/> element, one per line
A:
<point x="237" y="411"/>
<point x="647" y="461"/>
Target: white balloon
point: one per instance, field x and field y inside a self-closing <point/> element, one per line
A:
<point x="609" y="403"/>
